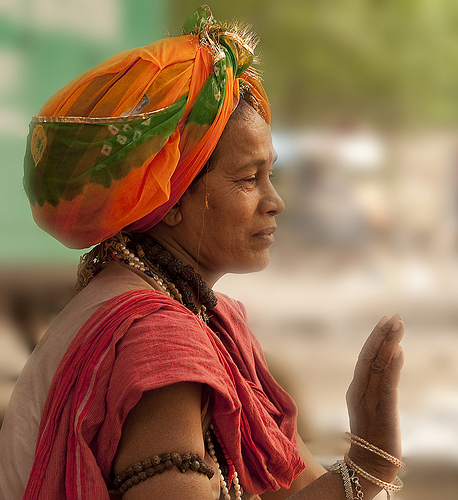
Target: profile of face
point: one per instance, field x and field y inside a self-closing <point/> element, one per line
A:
<point x="226" y="221"/>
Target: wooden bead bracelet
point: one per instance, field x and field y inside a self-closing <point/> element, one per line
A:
<point x="157" y="465"/>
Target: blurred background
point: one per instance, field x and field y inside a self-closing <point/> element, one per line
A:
<point x="365" y="120"/>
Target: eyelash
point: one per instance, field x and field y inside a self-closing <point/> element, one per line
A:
<point x="255" y="178"/>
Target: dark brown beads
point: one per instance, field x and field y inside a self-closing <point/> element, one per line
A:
<point x="176" y="459"/>
<point x="194" y="465"/>
<point x="186" y="280"/>
<point x="158" y="464"/>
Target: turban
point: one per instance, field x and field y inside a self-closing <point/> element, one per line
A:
<point x="118" y="146"/>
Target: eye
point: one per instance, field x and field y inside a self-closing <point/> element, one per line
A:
<point x="249" y="179"/>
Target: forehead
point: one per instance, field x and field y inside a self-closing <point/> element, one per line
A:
<point x="246" y="136"/>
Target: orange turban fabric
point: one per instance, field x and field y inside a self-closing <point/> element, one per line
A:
<point x="118" y="146"/>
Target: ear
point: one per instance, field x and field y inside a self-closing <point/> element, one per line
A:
<point x="174" y="216"/>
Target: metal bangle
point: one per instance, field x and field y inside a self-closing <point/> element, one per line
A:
<point x="396" y="485"/>
<point x="348" y="477"/>
<point x="352" y="438"/>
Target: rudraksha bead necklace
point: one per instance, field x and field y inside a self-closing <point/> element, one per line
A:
<point x="178" y="280"/>
<point x="184" y="276"/>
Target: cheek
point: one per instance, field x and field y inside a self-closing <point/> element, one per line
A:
<point x="228" y="219"/>
<point x="224" y="231"/>
<point x="229" y="212"/>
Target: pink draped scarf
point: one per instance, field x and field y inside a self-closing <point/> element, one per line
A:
<point x="142" y="340"/>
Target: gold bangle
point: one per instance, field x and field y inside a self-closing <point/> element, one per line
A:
<point x="396" y="485"/>
<point x="352" y="438"/>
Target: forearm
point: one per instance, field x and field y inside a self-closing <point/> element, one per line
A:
<point x="330" y="486"/>
<point x="316" y="483"/>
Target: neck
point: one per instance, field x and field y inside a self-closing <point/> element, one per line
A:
<point x="177" y="251"/>
<point x="194" y="290"/>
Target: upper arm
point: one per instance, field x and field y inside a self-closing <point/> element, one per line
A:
<point x="165" y="420"/>
<point x="313" y="471"/>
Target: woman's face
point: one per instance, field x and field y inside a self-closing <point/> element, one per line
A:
<point x="228" y="216"/>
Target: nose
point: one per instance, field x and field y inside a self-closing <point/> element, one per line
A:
<point x="272" y="203"/>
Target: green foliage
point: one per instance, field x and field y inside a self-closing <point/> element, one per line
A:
<point x="393" y="61"/>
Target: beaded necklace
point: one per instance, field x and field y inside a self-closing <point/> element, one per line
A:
<point x="177" y="280"/>
<point x="232" y="477"/>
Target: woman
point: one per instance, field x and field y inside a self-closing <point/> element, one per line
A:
<point x="149" y="385"/>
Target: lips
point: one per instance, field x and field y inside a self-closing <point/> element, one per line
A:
<point x="266" y="232"/>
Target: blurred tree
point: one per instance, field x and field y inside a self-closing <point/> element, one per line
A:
<point x="391" y="61"/>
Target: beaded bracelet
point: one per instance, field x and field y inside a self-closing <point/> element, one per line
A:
<point x="396" y="485"/>
<point x="348" y="476"/>
<point x="156" y="465"/>
<point x="352" y="438"/>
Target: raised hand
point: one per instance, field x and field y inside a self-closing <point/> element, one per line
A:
<point x="372" y="398"/>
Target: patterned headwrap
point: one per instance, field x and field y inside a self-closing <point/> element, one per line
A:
<point x="118" y="146"/>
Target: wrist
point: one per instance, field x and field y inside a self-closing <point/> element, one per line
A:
<point x="368" y="467"/>
<point x="395" y="485"/>
<point x="373" y="464"/>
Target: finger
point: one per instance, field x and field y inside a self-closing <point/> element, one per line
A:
<point x="377" y="351"/>
<point x="387" y="349"/>
<point x="385" y="412"/>
<point x="374" y="414"/>
<point x="373" y="344"/>
<point x="390" y="382"/>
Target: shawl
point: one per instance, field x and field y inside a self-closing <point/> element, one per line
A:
<point x="142" y="340"/>
<point x="118" y="146"/>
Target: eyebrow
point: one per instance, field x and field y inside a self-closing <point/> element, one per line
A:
<point x="256" y="163"/>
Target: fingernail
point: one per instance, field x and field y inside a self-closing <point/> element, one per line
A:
<point x="396" y="326"/>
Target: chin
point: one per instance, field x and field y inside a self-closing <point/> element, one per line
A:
<point x="253" y="266"/>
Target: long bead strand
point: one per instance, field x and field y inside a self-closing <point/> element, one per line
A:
<point x="224" y="487"/>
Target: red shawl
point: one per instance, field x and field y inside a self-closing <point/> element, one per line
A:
<point x="142" y="340"/>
